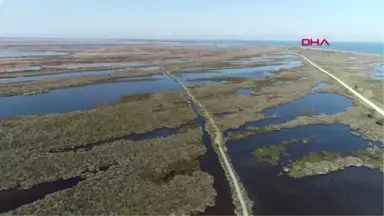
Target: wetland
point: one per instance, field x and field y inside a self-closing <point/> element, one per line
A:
<point x="84" y="127"/>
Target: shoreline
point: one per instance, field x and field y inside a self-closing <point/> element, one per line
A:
<point x="342" y="51"/>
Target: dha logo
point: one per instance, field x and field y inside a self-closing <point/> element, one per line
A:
<point x="310" y="42"/>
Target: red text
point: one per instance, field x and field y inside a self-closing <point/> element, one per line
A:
<point x="310" y="42"/>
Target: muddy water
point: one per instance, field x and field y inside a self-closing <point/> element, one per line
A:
<point x="350" y="191"/>
<point x="81" y="98"/>
<point x="57" y="76"/>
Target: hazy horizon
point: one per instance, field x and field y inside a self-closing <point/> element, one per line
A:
<point x="245" y="20"/>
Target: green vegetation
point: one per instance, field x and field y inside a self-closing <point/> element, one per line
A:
<point x="318" y="157"/>
<point x="135" y="97"/>
<point x="57" y="131"/>
<point x="272" y="153"/>
<point x="269" y="154"/>
<point x="34" y="87"/>
<point x="369" y="154"/>
<point x="313" y="163"/>
<point x="159" y="176"/>
<point x="29" y="168"/>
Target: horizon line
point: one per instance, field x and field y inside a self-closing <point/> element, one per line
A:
<point x="177" y="39"/>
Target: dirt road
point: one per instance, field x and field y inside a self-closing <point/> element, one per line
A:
<point x="219" y="142"/>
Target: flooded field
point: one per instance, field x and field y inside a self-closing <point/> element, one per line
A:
<point x="244" y="91"/>
<point x="97" y="65"/>
<point x="17" y="54"/>
<point x="148" y="68"/>
<point x="378" y="70"/>
<point x="81" y="98"/>
<point x="273" y="192"/>
<point x="320" y="86"/>
<point x="57" y="76"/>
<point x="286" y="129"/>
<point x="207" y="78"/>
<point x="22" y="69"/>
<point x="310" y="105"/>
<point x="265" y="58"/>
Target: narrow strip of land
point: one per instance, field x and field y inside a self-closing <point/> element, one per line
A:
<point x="219" y="141"/>
<point x="361" y="97"/>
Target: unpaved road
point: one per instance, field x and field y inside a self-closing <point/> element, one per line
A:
<point x="219" y="142"/>
<point x="361" y="97"/>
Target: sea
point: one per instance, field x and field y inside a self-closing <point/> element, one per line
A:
<point x="375" y="48"/>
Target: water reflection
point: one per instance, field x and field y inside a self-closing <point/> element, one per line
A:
<point x="333" y="193"/>
<point x="310" y="105"/>
<point x="252" y="72"/>
<point x="81" y="98"/>
<point x="244" y="91"/>
<point x="31" y="68"/>
<point x="57" y="76"/>
<point x="13" y="54"/>
<point x="321" y="86"/>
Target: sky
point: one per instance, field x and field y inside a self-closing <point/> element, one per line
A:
<point x="335" y="20"/>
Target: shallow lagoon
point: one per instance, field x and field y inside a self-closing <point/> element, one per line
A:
<point x="81" y="98"/>
<point x="349" y="191"/>
<point x="252" y="72"/>
<point x="15" y="54"/>
<point x="57" y="76"/>
<point x="310" y="105"/>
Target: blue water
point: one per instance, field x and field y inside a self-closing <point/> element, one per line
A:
<point x="244" y="91"/>
<point x="56" y="76"/>
<point x="30" y="68"/>
<point x="266" y="58"/>
<point x="148" y="68"/>
<point x="318" y="103"/>
<point x="251" y="72"/>
<point x="12" y="54"/>
<point x="378" y="70"/>
<point x="320" y="86"/>
<point x="334" y="193"/>
<point x="361" y="47"/>
<point x="80" y="98"/>
<point x="334" y="138"/>
<point x="98" y="65"/>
